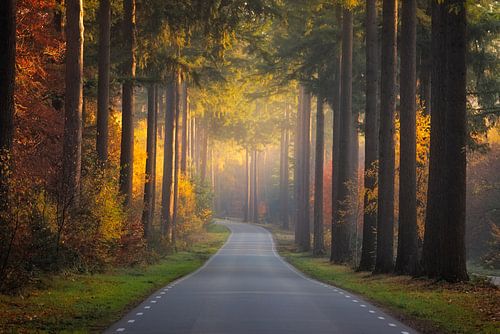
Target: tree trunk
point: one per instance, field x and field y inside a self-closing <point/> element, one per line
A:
<point x="193" y="144"/>
<point x="168" y="162"/>
<point x="336" y="129"/>
<point x="319" y="244"/>
<point x="177" y="155"/>
<point x="103" y="80"/>
<point x="406" y="261"/>
<point x="204" y="154"/>
<point x="371" y="140"/>
<point x="340" y="234"/>
<point x="255" y="206"/>
<point x="184" y="145"/>
<point x="7" y="86"/>
<point x="72" y="147"/>
<point x="155" y="144"/>
<point x="246" y="205"/>
<point x="149" y="179"/>
<point x="304" y="241"/>
<point x="385" y="209"/>
<point x="284" y="174"/>
<point x="298" y="171"/>
<point x="444" y="244"/>
<point x="127" y="140"/>
<point x="453" y="264"/>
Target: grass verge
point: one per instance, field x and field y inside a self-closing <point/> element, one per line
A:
<point x="428" y="306"/>
<point x="89" y="303"/>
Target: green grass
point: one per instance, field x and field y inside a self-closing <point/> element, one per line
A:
<point x="89" y="303"/>
<point x="428" y="306"/>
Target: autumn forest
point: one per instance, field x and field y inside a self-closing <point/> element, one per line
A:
<point x="357" y="141"/>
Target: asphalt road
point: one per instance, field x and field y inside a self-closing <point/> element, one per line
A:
<point x="247" y="288"/>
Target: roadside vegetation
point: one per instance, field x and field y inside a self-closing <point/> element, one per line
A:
<point x="82" y="303"/>
<point x="427" y="305"/>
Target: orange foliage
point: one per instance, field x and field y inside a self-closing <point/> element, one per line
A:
<point x="39" y="117"/>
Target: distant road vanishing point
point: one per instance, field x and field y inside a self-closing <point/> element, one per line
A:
<point x="247" y="288"/>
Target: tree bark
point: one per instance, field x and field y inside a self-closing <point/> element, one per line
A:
<point x="406" y="261"/>
<point x="127" y="138"/>
<point x="204" y="154"/>
<point x="155" y="150"/>
<point x="385" y="209"/>
<point x="444" y="244"/>
<point x="319" y="243"/>
<point x="246" y="205"/>
<point x="340" y="233"/>
<point x="184" y="144"/>
<point x="284" y="174"/>
<point x="371" y="140"/>
<point x="336" y="129"/>
<point x="72" y="147"/>
<point x="255" y="197"/>
<point x="298" y="171"/>
<point x="304" y="237"/>
<point x="177" y="155"/>
<point x="103" y="80"/>
<point x="168" y="162"/>
<point x="150" y="158"/>
<point x="7" y="87"/>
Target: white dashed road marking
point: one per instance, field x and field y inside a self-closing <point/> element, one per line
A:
<point x="392" y="325"/>
<point x="131" y="321"/>
<point x="120" y="329"/>
<point x="140" y="313"/>
<point x="381" y="318"/>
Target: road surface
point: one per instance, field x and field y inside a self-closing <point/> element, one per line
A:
<point x="247" y="288"/>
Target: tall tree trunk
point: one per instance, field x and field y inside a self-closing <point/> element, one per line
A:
<point x="336" y="129"/>
<point x="155" y="144"/>
<point x="168" y="161"/>
<point x="319" y="243"/>
<point x="298" y="171"/>
<point x="444" y="244"/>
<point x="385" y="209"/>
<point x="103" y="80"/>
<point x="453" y="264"/>
<point x="193" y="144"/>
<point x="204" y="154"/>
<point x="184" y="145"/>
<point x="284" y="175"/>
<point x="406" y="260"/>
<point x="371" y="140"/>
<point x="304" y="241"/>
<point x="72" y="147"/>
<point x="150" y="151"/>
<point x="177" y="155"/>
<point x="7" y="86"/>
<point x="246" y="205"/>
<point x="127" y="140"/>
<point x="255" y="206"/>
<point x="251" y="187"/>
<point x="340" y="234"/>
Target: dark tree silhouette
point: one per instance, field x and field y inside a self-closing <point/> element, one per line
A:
<point x="406" y="260"/>
<point x="72" y="147"/>
<point x="371" y="137"/>
<point x="127" y="142"/>
<point x="103" y="80"/>
<point x="340" y="232"/>
<point x="7" y="85"/>
<point x="444" y="243"/>
<point x="385" y="209"/>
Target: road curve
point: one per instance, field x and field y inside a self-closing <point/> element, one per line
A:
<point x="247" y="288"/>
